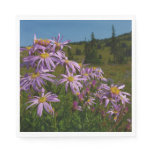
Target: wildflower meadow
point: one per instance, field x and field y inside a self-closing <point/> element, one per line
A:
<point x="59" y="94"/>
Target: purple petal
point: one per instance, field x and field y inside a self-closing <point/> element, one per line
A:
<point x="40" y="109"/>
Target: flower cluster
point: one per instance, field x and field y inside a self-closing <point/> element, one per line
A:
<point x="87" y="84"/>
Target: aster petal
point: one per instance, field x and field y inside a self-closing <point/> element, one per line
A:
<point x="106" y="102"/>
<point x="31" y="105"/>
<point x="47" y="107"/>
<point x="62" y="81"/>
<point x="128" y="94"/>
<point x="47" y="63"/>
<point x="58" y="37"/>
<point x="49" y="79"/>
<point x="66" y="86"/>
<point x="40" y="109"/>
<point x="121" y="87"/>
<point x="53" y="100"/>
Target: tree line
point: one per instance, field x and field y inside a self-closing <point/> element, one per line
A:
<point x="120" y="51"/>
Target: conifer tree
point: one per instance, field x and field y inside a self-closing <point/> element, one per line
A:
<point x="70" y="56"/>
<point x="113" y="44"/>
<point x="90" y="51"/>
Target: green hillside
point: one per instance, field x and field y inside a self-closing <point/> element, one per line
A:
<point x="103" y="48"/>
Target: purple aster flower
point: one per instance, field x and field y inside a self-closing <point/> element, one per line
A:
<point x="72" y="81"/>
<point x="86" y="73"/>
<point x="108" y="99"/>
<point x="41" y="42"/>
<point x="43" y="102"/>
<point x="57" y="44"/>
<point x="96" y="73"/>
<point x="87" y="90"/>
<point x="102" y="78"/>
<point x="80" y="96"/>
<point x="124" y="99"/>
<point x="30" y="49"/>
<point x="93" y="83"/>
<point x="103" y="87"/>
<point x="104" y="96"/>
<point x="35" y="80"/>
<point x="115" y="94"/>
<point x="90" y="102"/>
<point x="38" y="44"/>
<point x="115" y="111"/>
<point x="44" y="59"/>
<point x="70" y="65"/>
<point x="76" y="107"/>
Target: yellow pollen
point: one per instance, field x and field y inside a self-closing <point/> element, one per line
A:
<point x="57" y="44"/>
<point x="29" y="47"/>
<point x="80" y="65"/>
<point x="121" y="97"/>
<point x="66" y="61"/>
<point x="115" y="111"/>
<point x="88" y="100"/>
<point x="42" y="99"/>
<point x="44" y="55"/>
<point x="36" y="41"/>
<point x="42" y="42"/>
<point x="94" y="68"/>
<point x="77" y="93"/>
<point x="71" y="79"/>
<point x="115" y="118"/>
<point x="115" y="90"/>
<point x="51" y="110"/>
<point x="85" y="74"/>
<point x="35" y="75"/>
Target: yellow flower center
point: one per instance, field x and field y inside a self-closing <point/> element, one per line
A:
<point x="85" y="74"/>
<point x="66" y="61"/>
<point x="121" y="97"/>
<point x="42" y="42"/>
<point x="94" y="68"/>
<point x="71" y="79"/>
<point x="115" y="90"/>
<point x="35" y="75"/>
<point x="80" y="64"/>
<point x="51" y="110"/>
<point x="77" y="93"/>
<point x="57" y="44"/>
<point x="115" y="111"/>
<point x="29" y="47"/>
<point x="115" y="118"/>
<point x="36" y="41"/>
<point x="88" y="100"/>
<point x="42" y="99"/>
<point x="44" y="55"/>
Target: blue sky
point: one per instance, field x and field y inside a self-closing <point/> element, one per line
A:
<point x="74" y="30"/>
